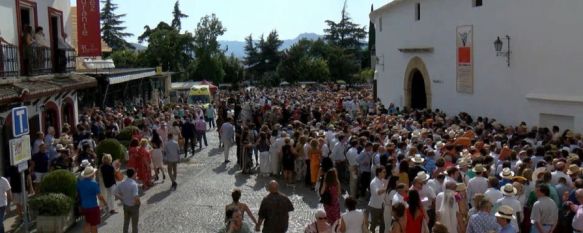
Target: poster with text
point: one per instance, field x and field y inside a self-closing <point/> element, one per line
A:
<point x="88" y="25"/>
<point x="465" y="59"/>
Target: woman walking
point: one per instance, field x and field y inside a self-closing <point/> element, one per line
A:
<point x="331" y="186"/>
<point x="320" y="225"/>
<point x="263" y="145"/>
<point x="354" y="220"/>
<point x="158" y="161"/>
<point x="144" y="164"/>
<point x="415" y="213"/>
<point x="288" y="161"/>
<point x="108" y="174"/>
<point x="236" y="196"/>
<point x="314" y="154"/>
<point x="399" y="223"/>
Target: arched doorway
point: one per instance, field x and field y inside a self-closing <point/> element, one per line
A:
<point x="418" y="95"/>
<point x="417" y="85"/>
<point x="50" y="117"/>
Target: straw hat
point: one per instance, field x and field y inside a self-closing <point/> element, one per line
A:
<point x="85" y="163"/>
<point x="573" y="169"/>
<point x="417" y="159"/>
<point x="505" y="212"/>
<point x="416" y="134"/>
<point x="479" y="168"/>
<point x="88" y="172"/>
<point x="422" y="176"/>
<point x="508" y="190"/>
<point x="465" y="153"/>
<point x="537" y="172"/>
<point x="60" y="147"/>
<point x="507" y="173"/>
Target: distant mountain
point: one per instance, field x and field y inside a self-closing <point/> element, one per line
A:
<point x="139" y="47"/>
<point x="237" y="48"/>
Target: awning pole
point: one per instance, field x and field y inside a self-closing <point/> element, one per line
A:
<point x="105" y="95"/>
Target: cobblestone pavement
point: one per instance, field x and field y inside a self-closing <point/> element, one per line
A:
<point x="204" y="186"/>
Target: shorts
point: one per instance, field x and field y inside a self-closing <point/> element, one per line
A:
<point x="92" y="215"/>
<point x="17" y="198"/>
<point x="39" y="176"/>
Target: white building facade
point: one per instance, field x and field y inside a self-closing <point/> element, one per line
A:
<point x="440" y="54"/>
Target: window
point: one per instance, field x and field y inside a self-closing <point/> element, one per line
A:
<point x="477" y="3"/>
<point x="380" y="24"/>
<point x="418" y="11"/>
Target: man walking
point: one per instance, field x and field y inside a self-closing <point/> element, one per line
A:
<point x="171" y="153"/>
<point x="88" y="191"/>
<point x="544" y="214"/>
<point x="188" y="134"/>
<point x="274" y="211"/>
<point x="227" y="133"/>
<point x="200" y="127"/>
<point x="127" y="192"/>
<point x="375" y="204"/>
<point x="5" y="196"/>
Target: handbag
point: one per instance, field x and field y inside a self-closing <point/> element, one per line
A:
<point x="118" y="176"/>
<point x="326" y="198"/>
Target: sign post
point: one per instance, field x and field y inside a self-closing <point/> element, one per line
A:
<point x="20" y="153"/>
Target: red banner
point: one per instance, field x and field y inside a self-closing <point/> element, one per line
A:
<point x="88" y="25"/>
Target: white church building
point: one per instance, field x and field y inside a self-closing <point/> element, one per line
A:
<point x="512" y="60"/>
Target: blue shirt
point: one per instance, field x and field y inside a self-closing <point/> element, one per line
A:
<point x="88" y="190"/>
<point x="508" y="229"/>
<point x="429" y="165"/>
<point x="482" y="223"/>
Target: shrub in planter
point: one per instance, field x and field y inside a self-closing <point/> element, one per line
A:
<point x="110" y="146"/>
<point x="60" y="181"/>
<point x="51" y="204"/>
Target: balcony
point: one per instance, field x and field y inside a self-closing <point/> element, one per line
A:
<point x="70" y="60"/>
<point x="8" y="60"/>
<point x="40" y="61"/>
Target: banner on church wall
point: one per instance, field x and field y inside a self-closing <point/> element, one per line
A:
<point x="465" y="59"/>
<point x="88" y="28"/>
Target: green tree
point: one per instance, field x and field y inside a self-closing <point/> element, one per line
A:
<point x="125" y="58"/>
<point x="345" y="33"/>
<point x="178" y="15"/>
<point x="269" y="53"/>
<point x="111" y="30"/>
<point x="233" y="69"/>
<point x="207" y="49"/>
<point x="169" y="48"/>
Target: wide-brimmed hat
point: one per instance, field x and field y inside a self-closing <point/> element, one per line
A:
<point x="508" y="190"/>
<point x="422" y="176"/>
<point x="417" y="159"/>
<point x="85" y="163"/>
<point x="573" y="169"/>
<point x="505" y="212"/>
<point x="537" y="172"/>
<point x="465" y="153"/>
<point x="507" y="173"/>
<point x="88" y="171"/>
<point x="479" y="168"/>
<point x="415" y="134"/>
<point x="60" y="147"/>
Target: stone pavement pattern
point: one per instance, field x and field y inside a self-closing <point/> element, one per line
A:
<point x="204" y="188"/>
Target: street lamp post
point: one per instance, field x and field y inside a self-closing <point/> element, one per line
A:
<point x="498" y="47"/>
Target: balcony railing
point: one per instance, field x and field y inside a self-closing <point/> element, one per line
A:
<point x="70" y="60"/>
<point x="40" y="61"/>
<point x="8" y="60"/>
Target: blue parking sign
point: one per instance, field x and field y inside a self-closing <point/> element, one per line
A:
<point x="19" y="121"/>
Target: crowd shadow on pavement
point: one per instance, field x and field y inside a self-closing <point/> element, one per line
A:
<point x="159" y="196"/>
<point x="220" y="169"/>
<point x="215" y="151"/>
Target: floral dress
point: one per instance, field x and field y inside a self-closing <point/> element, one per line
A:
<point x="333" y="209"/>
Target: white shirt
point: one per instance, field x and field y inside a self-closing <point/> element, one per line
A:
<point x="478" y="184"/>
<point x="4" y="189"/>
<point x="439" y="200"/>
<point x="493" y="195"/>
<point x="435" y="185"/>
<point x="338" y="152"/>
<point x="325" y="150"/>
<point x="516" y="206"/>
<point x="351" y="156"/>
<point x="376" y="200"/>
<point x="353" y="220"/>
<point x="556" y="175"/>
<point x="397" y="198"/>
<point x="427" y="195"/>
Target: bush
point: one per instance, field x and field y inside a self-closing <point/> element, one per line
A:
<point x="125" y="135"/>
<point x="110" y="146"/>
<point x="52" y="204"/>
<point x="60" y="181"/>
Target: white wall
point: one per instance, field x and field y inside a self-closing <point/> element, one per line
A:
<point x="8" y="20"/>
<point x="546" y="54"/>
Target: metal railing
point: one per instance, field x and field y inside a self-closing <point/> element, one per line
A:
<point x="8" y="60"/>
<point x="41" y="62"/>
<point x="70" y="59"/>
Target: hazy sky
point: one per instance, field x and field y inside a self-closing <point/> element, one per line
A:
<point x="242" y="17"/>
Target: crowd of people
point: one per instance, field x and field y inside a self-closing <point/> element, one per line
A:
<point x="418" y="170"/>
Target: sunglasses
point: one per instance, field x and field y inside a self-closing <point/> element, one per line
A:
<point x="322" y="218"/>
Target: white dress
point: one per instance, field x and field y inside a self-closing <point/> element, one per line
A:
<point x="157" y="158"/>
<point x="274" y="156"/>
<point x="264" y="162"/>
<point x="353" y="220"/>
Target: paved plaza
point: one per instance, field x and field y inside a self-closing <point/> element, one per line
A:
<point x="204" y="188"/>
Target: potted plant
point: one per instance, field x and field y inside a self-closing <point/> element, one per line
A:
<point x="110" y="146"/>
<point x="54" y="206"/>
<point x="54" y="212"/>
